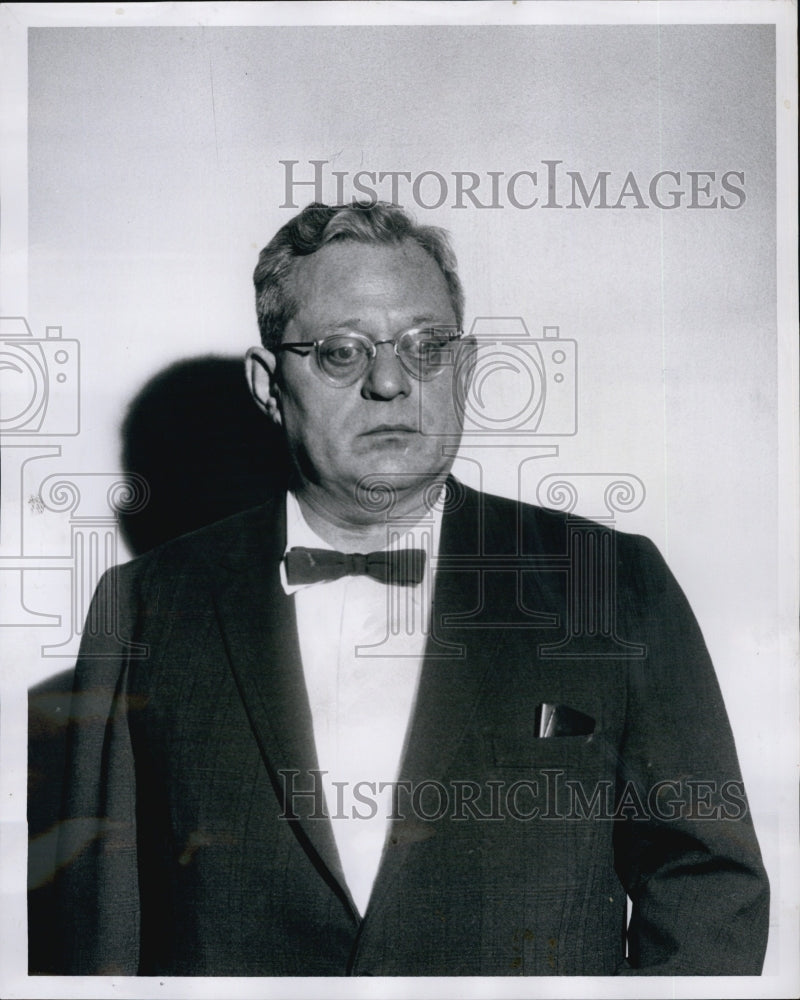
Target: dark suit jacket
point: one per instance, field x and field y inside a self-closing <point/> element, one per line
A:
<point x="190" y="712"/>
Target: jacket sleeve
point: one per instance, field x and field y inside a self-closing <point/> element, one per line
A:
<point x="97" y="887"/>
<point x="686" y="850"/>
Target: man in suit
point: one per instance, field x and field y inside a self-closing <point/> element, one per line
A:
<point x="355" y="732"/>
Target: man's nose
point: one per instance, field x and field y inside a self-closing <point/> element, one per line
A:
<point x="386" y="377"/>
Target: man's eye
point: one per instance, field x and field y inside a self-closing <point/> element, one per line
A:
<point x="432" y="350"/>
<point x="342" y="353"/>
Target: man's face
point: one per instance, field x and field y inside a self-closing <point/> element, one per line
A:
<point x="387" y="423"/>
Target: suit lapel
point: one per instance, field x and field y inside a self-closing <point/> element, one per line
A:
<point x="258" y="624"/>
<point x="458" y="665"/>
<point x="478" y="618"/>
<point x="457" y="662"/>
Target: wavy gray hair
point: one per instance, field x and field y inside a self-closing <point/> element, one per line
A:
<point x="317" y="225"/>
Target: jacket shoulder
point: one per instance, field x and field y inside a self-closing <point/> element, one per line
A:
<point x="211" y="548"/>
<point x="547" y="523"/>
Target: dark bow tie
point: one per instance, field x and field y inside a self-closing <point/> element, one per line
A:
<point x="404" y="566"/>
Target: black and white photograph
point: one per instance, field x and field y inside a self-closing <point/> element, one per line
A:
<point x="399" y="508"/>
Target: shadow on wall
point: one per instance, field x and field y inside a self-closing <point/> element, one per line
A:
<point x="206" y="451"/>
<point x="195" y="435"/>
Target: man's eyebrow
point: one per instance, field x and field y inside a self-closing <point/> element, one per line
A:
<point x="353" y="323"/>
<point x="428" y="320"/>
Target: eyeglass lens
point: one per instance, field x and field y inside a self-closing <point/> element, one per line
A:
<point x="423" y="353"/>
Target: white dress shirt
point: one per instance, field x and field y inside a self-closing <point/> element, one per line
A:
<point x="361" y="643"/>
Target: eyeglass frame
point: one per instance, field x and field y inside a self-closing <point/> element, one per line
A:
<point x="372" y="346"/>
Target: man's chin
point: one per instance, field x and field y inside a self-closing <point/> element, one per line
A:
<point x="391" y="486"/>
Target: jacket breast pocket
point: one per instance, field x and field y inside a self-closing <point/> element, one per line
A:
<point x="521" y="754"/>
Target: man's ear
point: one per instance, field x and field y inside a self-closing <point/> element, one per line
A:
<point x="260" y="367"/>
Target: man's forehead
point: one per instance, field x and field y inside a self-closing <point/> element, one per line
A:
<point x="350" y="271"/>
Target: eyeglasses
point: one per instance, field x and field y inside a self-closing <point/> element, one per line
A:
<point x="343" y="358"/>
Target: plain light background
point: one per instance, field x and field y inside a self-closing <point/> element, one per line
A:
<point x="154" y="179"/>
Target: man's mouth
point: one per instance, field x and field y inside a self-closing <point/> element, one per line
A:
<point x="390" y="429"/>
